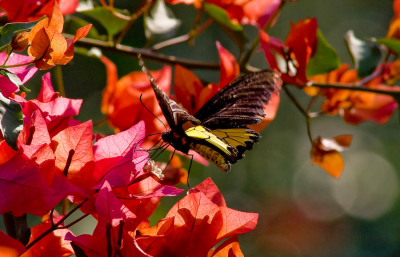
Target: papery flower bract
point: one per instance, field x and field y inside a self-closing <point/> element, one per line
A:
<point x="394" y="28"/>
<point x="291" y="59"/>
<point x="48" y="47"/>
<point x="53" y="244"/>
<point x="30" y="10"/>
<point x="121" y="99"/>
<point x="23" y="72"/>
<point x="254" y="12"/>
<point x="326" y="153"/>
<point x="119" y="212"/>
<point x="194" y="225"/>
<point x="10" y="247"/>
<point x="190" y="91"/>
<point x="355" y="106"/>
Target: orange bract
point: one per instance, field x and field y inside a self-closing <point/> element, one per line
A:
<point x="48" y="47"/>
<point x="326" y="153"/>
<point x="121" y="98"/>
<point x="355" y="106"/>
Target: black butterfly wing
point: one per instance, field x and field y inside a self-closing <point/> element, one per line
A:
<point x="173" y="113"/>
<point x="241" y="103"/>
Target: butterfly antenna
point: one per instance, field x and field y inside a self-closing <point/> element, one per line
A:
<point x="170" y="159"/>
<point x="144" y="138"/>
<point x="141" y="95"/>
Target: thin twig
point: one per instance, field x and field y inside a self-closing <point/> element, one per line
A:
<point x="395" y="94"/>
<point x="132" y="19"/>
<point x="128" y="50"/>
<point x="181" y="39"/>
<point x="55" y="226"/>
<point x="301" y="109"/>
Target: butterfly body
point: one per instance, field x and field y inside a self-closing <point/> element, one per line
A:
<point x="219" y="130"/>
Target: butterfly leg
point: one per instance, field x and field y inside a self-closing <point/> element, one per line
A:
<point x="190" y="167"/>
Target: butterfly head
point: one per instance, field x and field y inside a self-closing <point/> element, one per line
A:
<point x="177" y="141"/>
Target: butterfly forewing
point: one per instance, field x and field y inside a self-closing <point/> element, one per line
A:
<point x="240" y="103"/>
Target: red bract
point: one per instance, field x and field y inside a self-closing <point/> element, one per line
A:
<point x="23" y="72"/>
<point x="254" y="12"/>
<point x="118" y="217"/>
<point x="118" y="159"/>
<point x="291" y="59"/>
<point x="74" y="154"/>
<point x="189" y="88"/>
<point x="355" y="106"/>
<point x="121" y="99"/>
<point x="53" y="244"/>
<point x="194" y="225"/>
<point x="30" y="10"/>
<point x="27" y="188"/>
<point x="57" y="111"/>
<point x="10" y="247"/>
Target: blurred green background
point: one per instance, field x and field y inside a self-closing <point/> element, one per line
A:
<point x="303" y="211"/>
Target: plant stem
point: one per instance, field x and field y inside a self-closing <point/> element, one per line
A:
<point x="302" y="111"/>
<point x="60" y="80"/>
<point x="55" y="225"/>
<point x="395" y="94"/>
<point x="128" y="50"/>
<point x="132" y="20"/>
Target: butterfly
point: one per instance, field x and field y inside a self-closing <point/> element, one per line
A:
<point x="219" y="130"/>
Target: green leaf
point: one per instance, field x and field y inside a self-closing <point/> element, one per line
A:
<point x="111" y="23"/>
<point x="391" y="43"/>
<point x="366" y="55"/>
<point x="235" y="31"/>
<point x="325" y="59"/>
<point x="11" y="120"/>
<point x="221" y="16"/>
<point x="8" y="31"/>
<point x="14" y="79"/>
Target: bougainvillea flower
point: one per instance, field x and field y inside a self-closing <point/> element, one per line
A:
<point x="118" y="214"/>
<point x="53" y="244"/>
<point x="230" y="247"/>
<point x="31" y="10"/>
<point x="254" y="12"/>
<point x="23" y="72"/>
<point x="27" y="189"/>
<point x="121" y="99"/>
<point x="326" y="153"/>
<point x="48" y="47"/>
<point x="57" y="111"/>
<point x="355" y="106"/>
<point x="195" y="225"/>
<point x="10" y="247"/>
<point x="394" y="29"/>
<point x="118" y="159"/>
<point x="190" y="91"/>
<point x="291" y="59"/>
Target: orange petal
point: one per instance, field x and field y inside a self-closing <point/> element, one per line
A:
<point x="187" y="88"/>
<point x="230" y="68"/>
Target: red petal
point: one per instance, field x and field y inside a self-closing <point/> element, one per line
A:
<point x="75" y="141"/>
<point x="10" y="247"/>
<point x="53" y="244"/>
<point x="212" y="192"/>
<point x="230" y="68"/>
<point x="187" y="88"/>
